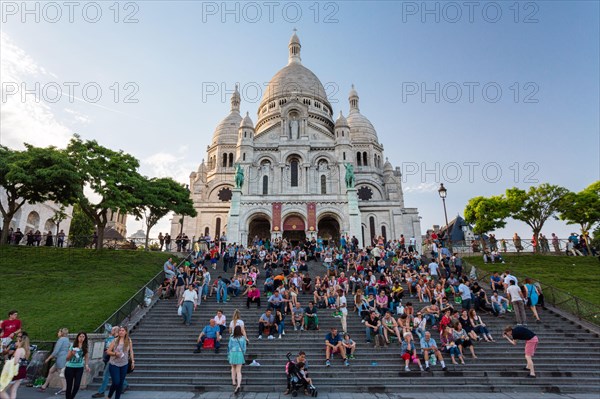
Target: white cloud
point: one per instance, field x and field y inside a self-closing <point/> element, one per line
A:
<point x="164" y="164"/>
<point x="421" y="188"/>
<point x="26" y="121"/>
<point x="78" y="117"/>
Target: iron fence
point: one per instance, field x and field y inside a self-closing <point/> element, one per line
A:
<point x="561" y="299"/>
<point x="109" y="243"/>
<point x="510" y="246"/>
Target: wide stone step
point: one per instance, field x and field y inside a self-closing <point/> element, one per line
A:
<point x="384" y="368"/>
<point x="371" y="389"/>
<point x="365" y="371"/>
<point x="165" y="361"/>
<point x="427" y="379"/>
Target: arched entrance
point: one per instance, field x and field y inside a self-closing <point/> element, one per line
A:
<point x="294" y="229"/>
<point x="259" y="227"/>
<point x="329" y="229"/>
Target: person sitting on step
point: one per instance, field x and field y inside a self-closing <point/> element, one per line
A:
<point x="333" y="345"/>
<point x="390" y="328"/>
<point x="221" y="321"/>
<point x="253" y="296"/>
<point x="372" y="326"/>
<point x="499" y="304"/>
<point x="449" y="345"/>
<point x="319" y="295"/>
<point x="269" y="285"/>
<point x="431" y="313"/>
<point x="463" y="340"/>
<point x="350" y="345"/>
<point x="235" y="286"/>
<point x="280" y="323"/>
<point x="430" y="350"/>
<point x="311" y="319"/>
<point x="404" y="324"/>
<point x="409" y="352"/>
<point x="276" y="301"/>
<point x="382" y="302"/>
<point x="298" y="317"/>
<point x="211" y="331"/>
<point x="266" y="322"/>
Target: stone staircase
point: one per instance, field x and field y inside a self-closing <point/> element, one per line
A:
<point x="567" y="360"/>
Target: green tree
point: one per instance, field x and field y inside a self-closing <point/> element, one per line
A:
<point x="486" y="214"/>
<point x="582" y="208"/>
<point x="595" y="242"/>
<point x="58" y="218"/>
<point x="82" y="228"/>
<point x="536" y="205"/>
<point x="34" y="175"/>
<point x="112" y="176"/>
<point x="161" y="196"/>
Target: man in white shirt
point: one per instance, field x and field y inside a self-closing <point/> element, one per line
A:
<point x="499" y="304"/>
<point x="221" y="320"/>
<point x="433" y="270"/>
<point x="516" y="298"/>
<point x="343" y="308"/>
<point x="262" y="254"/>
<point x="412" y="244"/>
<point x="188" y="304"/>
<point x="508" y="278"/>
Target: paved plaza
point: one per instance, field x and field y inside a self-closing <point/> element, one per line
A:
<point x="31" y="393"/>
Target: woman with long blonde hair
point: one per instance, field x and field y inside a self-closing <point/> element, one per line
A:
<point x="235" y="356"/>
<point x="20" y="359"/>
<point x="61" y="348"/>
<point x="120" y="351"/>
<point x="236" y="320"/>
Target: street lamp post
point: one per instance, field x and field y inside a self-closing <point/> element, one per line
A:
<point x="442" y="192"/>
<point x="187" y="187"/>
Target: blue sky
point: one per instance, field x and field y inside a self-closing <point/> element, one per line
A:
<point x="543" y="56"/>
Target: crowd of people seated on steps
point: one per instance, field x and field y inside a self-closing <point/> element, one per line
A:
<point x="425" y="305"/>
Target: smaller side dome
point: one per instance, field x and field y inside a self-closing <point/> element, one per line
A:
<point x="387" y="167"/>
<point x="341" y="121"/>
<point x="247" y="122"/>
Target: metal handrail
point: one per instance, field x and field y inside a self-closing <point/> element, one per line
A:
<point x="137" y="299"/>
<point x="132" y="303"/>
<point x="581" y="308"/>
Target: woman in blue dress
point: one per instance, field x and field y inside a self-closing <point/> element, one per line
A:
<point x="235" y="356"/>
<point x="532" y="295"/>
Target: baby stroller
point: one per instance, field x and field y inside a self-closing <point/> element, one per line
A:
<point x="296" y="381"/>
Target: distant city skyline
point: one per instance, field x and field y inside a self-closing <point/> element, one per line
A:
<point x="481" y="99"/>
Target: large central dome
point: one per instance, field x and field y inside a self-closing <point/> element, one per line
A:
<point x="294" y="78"/>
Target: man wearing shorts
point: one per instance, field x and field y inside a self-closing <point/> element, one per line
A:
<point x="333" y="344"/>
<point x="513" y="334"/>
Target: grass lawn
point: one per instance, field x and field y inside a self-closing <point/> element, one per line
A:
<point x="73" y="288"/>
<point x="580" y="276"/>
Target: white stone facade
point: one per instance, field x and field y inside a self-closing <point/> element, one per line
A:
<point x="37" y="217"/>
<point x="294" y="160"/>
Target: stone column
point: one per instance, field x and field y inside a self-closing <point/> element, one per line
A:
<point x="353" y="213"/>
<point x="233" y="218"/>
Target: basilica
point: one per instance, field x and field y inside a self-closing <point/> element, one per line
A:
<point x="294" y="161"/>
